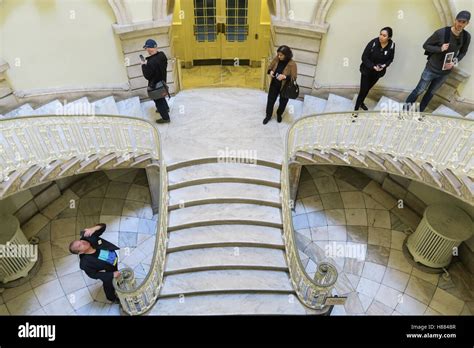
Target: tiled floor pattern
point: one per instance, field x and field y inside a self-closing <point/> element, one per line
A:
<point x="121" y="199"/>
<point x="335" y="219"/>
<point x="222" y="76"/>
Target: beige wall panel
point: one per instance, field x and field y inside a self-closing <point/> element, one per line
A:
<point x="70" y="44"/>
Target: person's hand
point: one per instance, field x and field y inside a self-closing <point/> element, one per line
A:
<point x="444" y="47"/>
<point x="377" y="68"/>
<point x="449" y="66"/>
<point x="116" y="274"/>
<point x="272" y="74"/>
<point x="89" y="231"/>
<point x="281" y="77"/>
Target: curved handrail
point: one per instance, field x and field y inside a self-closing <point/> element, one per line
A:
<point x="435" y="150"/>
<point x="440" y="136"/>
<point x="311" y="292"/>
<point x="81" y="144"/>
<point x="137" y="300"/>
<point x="37" y="149"/>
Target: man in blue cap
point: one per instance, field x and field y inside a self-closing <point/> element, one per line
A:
<point x="454" y="40"/>
<point x="154" y="70"/>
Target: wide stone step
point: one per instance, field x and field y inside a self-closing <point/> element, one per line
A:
<point x="370" y="103"/>
<point x="225" y="281"/>
<point x="470" y="115"/>
<point x="130" y="107"/>
<point x="230" y="304"/>
<point x="106" y="106"/>
<point x="225" y="235"/>
<point x="51" y="108"/>
<point x="313" y="105"/>
<point x="224" y="193"/>
<point x="386" y="104"/>
<point x="209" y="214"/>
<point x="223" y="172"/>
<point x="225" y="258"/>
<point x="79" y="107"/>
<point x="337" y="103"/>
<point x="24" y="110"/>
<point x="443" y="110"/>
<point x="181" y="148"/>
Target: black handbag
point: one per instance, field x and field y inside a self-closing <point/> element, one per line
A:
<point x="291" y="90"/>
<point x="159" y="92"/>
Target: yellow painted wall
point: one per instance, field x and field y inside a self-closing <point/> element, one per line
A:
<point x="141" y="10"/>
<point x="354" y="23"/>
<point x="302" y="10"/>
<point x="56" y="50"/>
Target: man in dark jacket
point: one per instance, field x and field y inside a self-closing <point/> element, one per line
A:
<point x="154" y="70"/>
<point x="97" y="258"/>
<point x="443" y="41"/>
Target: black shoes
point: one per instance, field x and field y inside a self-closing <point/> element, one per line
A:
<point x="162" y="121"/>
<point x="266" y="120"/>
<point x="279" y="118"/>
<point x="354" y="116"/>
<point x="364" y="107"/>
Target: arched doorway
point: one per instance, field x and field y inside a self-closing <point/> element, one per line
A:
<point x="221" y="43"/>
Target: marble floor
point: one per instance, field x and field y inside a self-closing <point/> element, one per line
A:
<point x="337" y="220"/>
<point x="222" y="76"/>
<point x="119" y="198"/>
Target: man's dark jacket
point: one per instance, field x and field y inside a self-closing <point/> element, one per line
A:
<point x="433" y="47"/>
<point x="155" y="68"/>
<point x="95" y="268"/>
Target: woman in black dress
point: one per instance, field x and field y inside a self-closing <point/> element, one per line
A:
<point x="377" y="56"/>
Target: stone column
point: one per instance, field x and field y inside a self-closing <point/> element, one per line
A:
<point x="133" y="37"/>
<point x="294" y="173"/>
<point x="153" y="176"/>
<point x="448" y="90"/>
<point x="304" y="38"/>
<point x="7" y="98"/>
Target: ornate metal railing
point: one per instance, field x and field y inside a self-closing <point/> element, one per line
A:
<point x="37" y="149"/>
<point x="435" y="150"/>
<point x="137" y="300"/>
<point x="432" y="149"/>
<point x="311" y="292"/>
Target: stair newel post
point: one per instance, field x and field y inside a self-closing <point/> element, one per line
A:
<point x="153" y="176"/>
<point x="325" y="278"/>
<point x="294" y="174"/>
<point x="125" y="282"/>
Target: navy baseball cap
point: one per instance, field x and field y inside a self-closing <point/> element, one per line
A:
<point x="150" y="44"/>
<point x="464" y="15"/>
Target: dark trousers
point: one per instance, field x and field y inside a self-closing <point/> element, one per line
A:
<point x="273" y="94"/>
<point x="430" y="82"/>
<point x="109" y="289"/>
<point x="162" y="107"/>
<point x="366" y="83"/>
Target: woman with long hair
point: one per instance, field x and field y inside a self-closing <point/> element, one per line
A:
<point x="377" y="56"/>
<point x="281" y="69"/>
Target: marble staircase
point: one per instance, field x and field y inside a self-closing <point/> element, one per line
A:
<point x="225" y="252"/>
<point x="225" y="242"/>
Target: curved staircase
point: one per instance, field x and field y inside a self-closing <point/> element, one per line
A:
<point x="225" y="253"/>
<point x="225" y="250"/>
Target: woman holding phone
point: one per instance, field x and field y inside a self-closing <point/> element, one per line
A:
<point x="377" y="56"/>
<point x="281" y="69"/>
